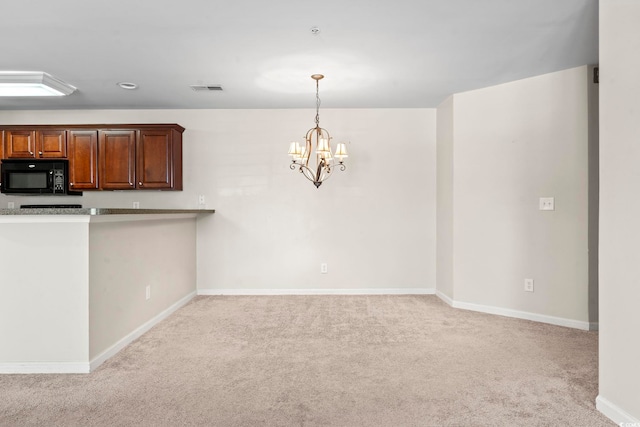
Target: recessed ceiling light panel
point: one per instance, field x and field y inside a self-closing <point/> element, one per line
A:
<point x="32" y="83"/>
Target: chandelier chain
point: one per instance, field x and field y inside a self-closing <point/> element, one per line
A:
<point x="317" y="103"/>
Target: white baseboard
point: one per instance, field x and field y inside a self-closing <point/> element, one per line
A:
<point x="45" y="368"/>
<point x="80" y="367"/>
<point x="507" y="312"/>
<point x="559" y="321"/>
<point x="137" y="333"/>
<point x="86" y="367"/>
<point x="367" y="291"/>
<point x="614" y="413"/>
<point x="410" y="291"/>
<point x="444" y="298"/>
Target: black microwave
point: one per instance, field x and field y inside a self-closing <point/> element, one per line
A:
<point x="35" y="177"/>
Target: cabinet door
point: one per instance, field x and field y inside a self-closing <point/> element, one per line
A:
<point x="19" y="144"/>
<point x="51" y="143"/>
<point x="117" y="153"/>
<point x="2" y="133"/>
<point x="155" y="159"/>
<point x="83" y="159"/>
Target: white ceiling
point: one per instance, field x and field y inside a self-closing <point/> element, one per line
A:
<point x="374" y="53"/>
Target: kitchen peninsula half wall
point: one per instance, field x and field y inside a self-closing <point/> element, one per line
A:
<point x="79" y="285"/>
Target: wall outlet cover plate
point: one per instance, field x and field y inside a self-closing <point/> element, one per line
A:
<point x="547" y="204"/>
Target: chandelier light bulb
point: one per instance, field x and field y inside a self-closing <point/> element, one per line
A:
<point x="323" y="146"/>
<point x="295" y="150"/>
<point x="341" y="151"/>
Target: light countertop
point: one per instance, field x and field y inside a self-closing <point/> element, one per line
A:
<point x="101" y="211"/>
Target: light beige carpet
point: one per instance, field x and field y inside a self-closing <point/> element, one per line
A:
<point x="325" y="361"/>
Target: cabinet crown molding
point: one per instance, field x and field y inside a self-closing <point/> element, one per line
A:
<point x="102" y="126"/>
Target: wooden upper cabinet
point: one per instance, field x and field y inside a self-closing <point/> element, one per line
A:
<point x="51" y="143"/>
<point x="1" y="149"/>
<point x="83" y="159"/>
<point x="19" y="144"/>
<point x="35" y="144"/>
<point x="159" y="159"/>
<point x="103" y="156"/>
<point x="117" y="154"/>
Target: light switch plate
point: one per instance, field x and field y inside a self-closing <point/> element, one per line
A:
<point x="547" y="204"/>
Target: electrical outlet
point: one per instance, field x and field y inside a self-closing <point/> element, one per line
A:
<point x="136" y="205"/>
<point x="547" y="204"/>
<point x="202" y="202"/>
<point x="11" y="205"/>
<point x="148" y="292"/>
<point x="528" y="285"/>
<point x="324" y="268"/>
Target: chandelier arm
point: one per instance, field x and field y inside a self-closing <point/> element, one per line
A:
<point x="309" y="145"/>
<point x="320" y="169"/>
<point x="306" y="171"/>
<point x="326" y="174"/>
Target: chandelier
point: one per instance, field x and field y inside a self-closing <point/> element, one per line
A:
<point x="317" y="146"/>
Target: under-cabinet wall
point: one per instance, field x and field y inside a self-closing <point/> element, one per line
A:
<point x="60" y="319"/>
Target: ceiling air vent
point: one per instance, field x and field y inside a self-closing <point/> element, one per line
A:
<point x="206" y="88"/>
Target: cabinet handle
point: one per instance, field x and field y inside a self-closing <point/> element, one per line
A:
<point x="140" y="184"/>
<point x="71" y="184"/>
<point x="31" y="153"/>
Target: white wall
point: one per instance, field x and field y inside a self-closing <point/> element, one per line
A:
<point x="619" y="395"/>
<point x="593" y="92"/>
<point x="445" y="141"/>
<point x="513" y="144"/>
<point x="72" y="291"/>
<point x="124" y="258"/>
<point x="373" y="224"/>
<point x="43" y="294"/>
